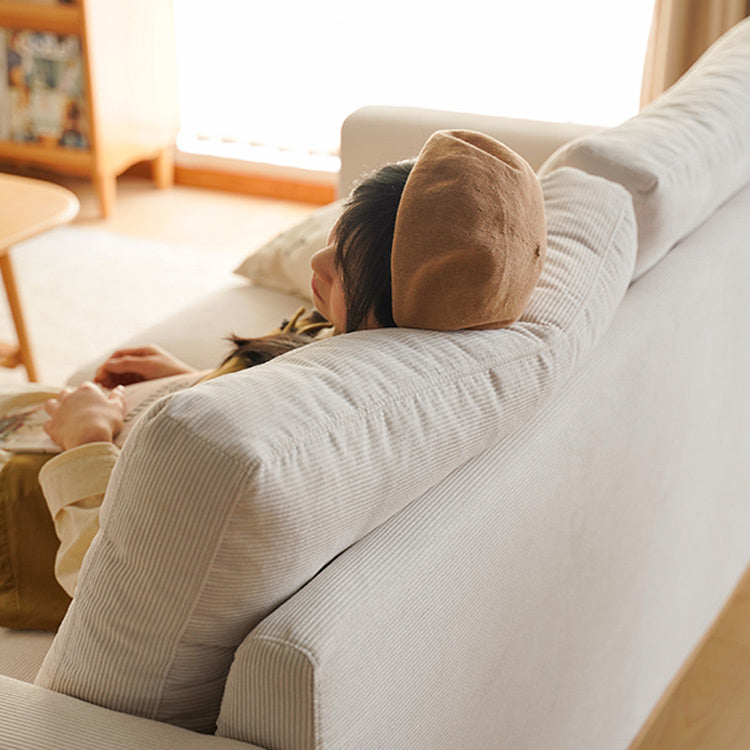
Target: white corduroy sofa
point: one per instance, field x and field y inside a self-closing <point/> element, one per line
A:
<point x="406" y="539"/>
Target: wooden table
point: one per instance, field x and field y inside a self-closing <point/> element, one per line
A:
<point x="27" y="208"/>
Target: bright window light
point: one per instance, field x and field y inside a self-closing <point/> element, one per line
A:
<point x="278" y="78"/>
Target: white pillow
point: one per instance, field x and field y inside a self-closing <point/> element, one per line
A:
<point x="284" y="262"/>
<point x="683" y="155"/>
<point x="229" y="496"/>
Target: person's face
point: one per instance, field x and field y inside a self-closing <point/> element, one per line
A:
<point x="327" y="287"/>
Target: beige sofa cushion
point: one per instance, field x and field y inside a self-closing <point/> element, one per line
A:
<point x="232" y="495"/>
<point x="33" y="719"/>
<point x="198" y="333"/>
<point x="283" y="263"/>
<point x="22" y="652"/>
<point x="683" y="155"/>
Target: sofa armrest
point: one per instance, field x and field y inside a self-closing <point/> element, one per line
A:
<point x="375" y="135"/>
<point x="32" y="718"/>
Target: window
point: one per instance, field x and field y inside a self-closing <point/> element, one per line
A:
<point x="272" y="81"/>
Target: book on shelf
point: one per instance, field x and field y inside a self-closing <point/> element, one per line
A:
<point x="22" y="430"/>
<point x="43" y="97"/>
<point x="4" y="91"/>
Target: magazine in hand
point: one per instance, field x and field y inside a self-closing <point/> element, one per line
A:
<point x="22" y="429"/>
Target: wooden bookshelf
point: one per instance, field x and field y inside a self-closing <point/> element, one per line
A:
<point x="129" y="86"/>
<point x="61" y="19"/>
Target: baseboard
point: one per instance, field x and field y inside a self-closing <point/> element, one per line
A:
<point x="267" y="186"/>
<point x="253" y="184"/>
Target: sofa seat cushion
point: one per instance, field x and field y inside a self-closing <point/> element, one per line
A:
<point x="22" y="652"/>
<point x="683" y="155"/>
<point x="229" y="497"/>
<point x="33" y="719"/>
<point x="198" y="334"/>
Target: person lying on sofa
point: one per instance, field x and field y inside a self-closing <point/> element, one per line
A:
<point x="454" y="239"/>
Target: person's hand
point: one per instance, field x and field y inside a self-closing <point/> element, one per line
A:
<point x="87" y="414"/>
<point x="127" y="366"/>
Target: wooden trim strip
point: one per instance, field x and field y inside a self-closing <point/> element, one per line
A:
<point x="60" y="19"/>
<point x="254" y="184"/>
<point x="74" y="160"/>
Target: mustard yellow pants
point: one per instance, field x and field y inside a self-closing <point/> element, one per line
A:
<point x="30" y="596"/>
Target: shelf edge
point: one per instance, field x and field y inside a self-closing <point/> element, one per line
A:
<point x="63" y="19"/>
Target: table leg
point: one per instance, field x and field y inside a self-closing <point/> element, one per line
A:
<point x="14" y="302"/>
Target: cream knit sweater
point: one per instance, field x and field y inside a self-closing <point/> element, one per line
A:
<point x="74" y="484"/>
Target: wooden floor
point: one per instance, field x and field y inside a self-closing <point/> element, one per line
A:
<point x="182" y="214"/>
<point x="708" y="707"/>
<point x="216" y="230"/>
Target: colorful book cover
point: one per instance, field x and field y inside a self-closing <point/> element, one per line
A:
<point x="4" y="92"/>
<point x="44" y="74"/>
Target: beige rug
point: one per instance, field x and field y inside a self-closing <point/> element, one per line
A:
<point x="84" y="290"/>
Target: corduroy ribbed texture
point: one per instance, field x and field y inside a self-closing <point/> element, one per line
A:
<point x="530" y="599"/>
<point x="22" y="652"/>
<point x="35" y="719"/>
<point x="683" y="155"/>
<point x="235" y="493"/>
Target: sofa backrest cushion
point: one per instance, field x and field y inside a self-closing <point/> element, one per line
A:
<point x="684" y="154"/>
<point x="230" y="496"/>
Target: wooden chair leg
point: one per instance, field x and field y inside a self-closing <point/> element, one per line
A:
<point x="106" y="190"/>
<point x="162" y="169"/>
<point x="14" y="302"/>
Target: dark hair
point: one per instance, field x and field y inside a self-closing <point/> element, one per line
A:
<point x="264" y="348"/>
<point x="363" y="236"/>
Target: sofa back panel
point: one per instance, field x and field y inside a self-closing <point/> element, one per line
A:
<point x="545" y="593"/>
<point x="684" y="154"/>
<point x="377" y="135"/>
<point x="230" y="496"/>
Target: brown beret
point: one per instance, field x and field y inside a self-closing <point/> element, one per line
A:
<point x="470" y="237"/>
